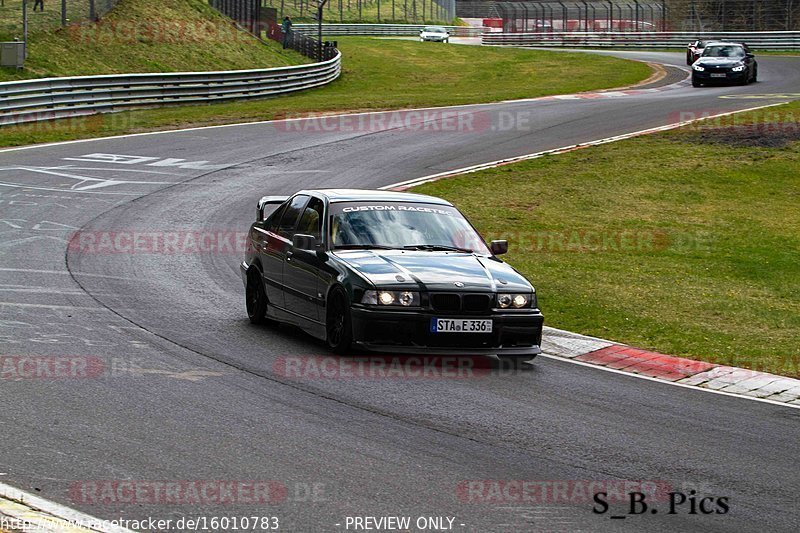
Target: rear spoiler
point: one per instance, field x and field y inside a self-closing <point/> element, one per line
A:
<point x="267" y="201"/>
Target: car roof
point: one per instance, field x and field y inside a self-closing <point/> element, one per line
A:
<point x="723" y="43"/>
<point x="358" y="195"/>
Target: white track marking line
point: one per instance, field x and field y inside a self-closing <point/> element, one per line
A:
<point x="39" y="290"/>
<point x="57" y="511"/>
<point x="73" y="191"/>
<point x="483" y="166"/>
<point x="61" y="272"/>
<point x="657" y="380"/>
<point x="99" y="182"/>
<point x="51" y="306"/>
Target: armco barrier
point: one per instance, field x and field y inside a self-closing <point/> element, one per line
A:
<point x="779" y="40"/>
<point x="383" y="29"/>
<point x="51" y="98"/>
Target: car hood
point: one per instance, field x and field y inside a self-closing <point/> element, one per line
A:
<point x="434" y="271"/>
<point x="718" y="62"/>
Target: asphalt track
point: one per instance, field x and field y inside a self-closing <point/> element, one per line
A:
<point x="196" y="393"/>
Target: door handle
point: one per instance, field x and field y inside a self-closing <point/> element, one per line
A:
<point x="289" y="256"/>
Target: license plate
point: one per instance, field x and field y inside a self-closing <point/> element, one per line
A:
<point x="460" y="325"/>
<point x="715" y="75"/>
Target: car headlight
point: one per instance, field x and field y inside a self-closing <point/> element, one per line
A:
<point x="738" y="68"/>
<point x="698" y="68"/>
<point x="397" y="298"/>
<point x="516" y="301"/>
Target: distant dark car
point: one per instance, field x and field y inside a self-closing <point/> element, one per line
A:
<point x="387" y="271"/>
<point x="725" y="63"/>
<point x="694" y="51"/>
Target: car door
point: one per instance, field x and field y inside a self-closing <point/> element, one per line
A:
<point x="271" y="245"/>
<point x="302" y="267"/>
<point x="265" y="247"/>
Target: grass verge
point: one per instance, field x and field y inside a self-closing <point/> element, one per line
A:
<point x="145" y="36"/>
<point x="684" y="242"/>
<point x="377" y="74"/>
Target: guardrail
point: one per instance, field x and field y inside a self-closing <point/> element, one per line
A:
<point x="779" y="40"/>
<point x="383" y="29"/>
<point x="52" y="98"/>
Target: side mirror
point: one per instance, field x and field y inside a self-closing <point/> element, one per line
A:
<point x="301" y="241"/>
<point x="750" y="56"/>
<point x="498" y="247"/>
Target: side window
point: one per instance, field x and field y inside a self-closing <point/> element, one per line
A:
<point x="271" y="222"/>
<point x="268" y="209"/>
<point x="290" y="216"/>
<point x="311" y="221"/>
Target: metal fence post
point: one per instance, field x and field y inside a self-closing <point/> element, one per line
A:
<point x="24" y="28"/>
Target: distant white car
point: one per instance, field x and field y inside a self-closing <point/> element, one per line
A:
<point x="435" y="34"/>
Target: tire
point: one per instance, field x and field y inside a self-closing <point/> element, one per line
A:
<point x="689" y="58"/>
<point x="755" y="75"/>
<point x="256" y="298"/>
<point x="338" y="323"/>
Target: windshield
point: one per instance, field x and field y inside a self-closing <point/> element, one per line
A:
<point x="402" y="225"/>
<point x="434" y="29"/>
<point x="723" y="51"/>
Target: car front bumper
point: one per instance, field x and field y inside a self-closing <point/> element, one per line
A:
<point x="396" y="331"/>
<point x="730" y="77"/>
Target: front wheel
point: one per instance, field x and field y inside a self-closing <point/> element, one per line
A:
<point x="338" y="324"/>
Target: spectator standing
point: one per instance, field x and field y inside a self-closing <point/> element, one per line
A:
<point x="286" y="28"/>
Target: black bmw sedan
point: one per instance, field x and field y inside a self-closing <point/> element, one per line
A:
<point x="386" y="271"/>
<point x="725" y="63"/>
